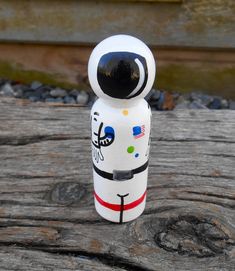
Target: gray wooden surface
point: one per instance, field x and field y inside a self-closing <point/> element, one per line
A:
<point x="47" y="216"/>
<point x="191" y="23"/>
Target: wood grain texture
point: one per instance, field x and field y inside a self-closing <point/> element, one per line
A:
<point x="192" y="23"/>
<point x="181" y="70"/>
<point x="47" y="216"/>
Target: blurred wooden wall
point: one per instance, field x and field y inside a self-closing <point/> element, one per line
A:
<point x="50" y="41"/>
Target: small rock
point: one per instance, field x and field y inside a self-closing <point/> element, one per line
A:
<point x="153" y="97"/>
<point x="156" y="95"/>
<point x="206" y="99"/>
<point x="180" y="99"/>
<point x="224" y="104"/>
<point x="58" y="92"/>
<point x="42" y="92"/>
<point x="54" y="100"/>
<point x="69" y="100"/>
<point x="50" y="100"/>
<point x="148" y="96"/>
<point x="215" y="104"/>
<point x="34" y="99"/>
<point x="82" y="98"/>
<point x="232" y="105"/>
<point x="176" y="96"/>
<point x="196" y="105"/>
<point x="35" y="85"/>
<point x="195" y="96"/>
<point x="160" y="101"/>
<point x="7" y="90"/>
<point x="93" y="98"/>
<point x="29" y="94"/>
<point x="74" y="93"/>
<point x="18" y="93"/>
<point x="182" y="105"/>
<point x="59" y="100"/>
<point x="169" y="102"/>
<point x="45" y="95"/>
<point x="3" y="82"/>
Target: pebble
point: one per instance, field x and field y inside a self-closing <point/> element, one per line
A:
<point x="156" y="95"/>
<point x="149" y="95"/>
<point x="82" y="98"/>
<point x="69" y="100"/>
<point x="18" y="93"/>
<point x="46" y="94"/>
<point x="206" y="99"/>
<point x="194" y="96"/>
<point x="181" y="99"/>
<point x="54" y="100"/>
<point x="35" y="85"/>
<point x="31" y="93"/>
<point x="232" y="105"/>
<point x="224" y="104"/>
<point x="58" y="92"/>
<point x="196" y="105"/>
<point x="7" y="90"/>
<point x="50" y="100"/>
<point x="74" y="93"/>
<point x="153" y="97"/>
<point x="34" y="99"/>
<point x="158" y="100"/>
<point x="183" y="105"/>
<point x="93" y="98"/>
<point x="59" y="100"/>
<point x="215" y="104"/>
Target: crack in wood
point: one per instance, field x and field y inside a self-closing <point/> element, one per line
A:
<point x="111" y="260"/>
<point x="225" y="205"/>
<point x="209" y="194"/>
<point x="21" y="141"/>
<point x="222" y="140"/>
<point x="191" y="236"/>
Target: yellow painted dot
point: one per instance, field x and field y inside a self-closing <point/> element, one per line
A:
<point x="125" y="112"/>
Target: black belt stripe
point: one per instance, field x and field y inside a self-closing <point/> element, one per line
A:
<point x="109" y="176"/>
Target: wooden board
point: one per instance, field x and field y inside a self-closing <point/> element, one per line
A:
<point x="209" y="71"/>
<point x="47" y="216"/>
<point x="191" y="23"/>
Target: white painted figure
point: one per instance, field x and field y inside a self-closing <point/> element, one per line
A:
<point x="121" y="72"/>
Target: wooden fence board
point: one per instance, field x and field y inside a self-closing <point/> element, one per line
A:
<point x="193" y="23"/>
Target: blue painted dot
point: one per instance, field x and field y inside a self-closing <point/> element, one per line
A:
<point x="136" y="130"/>
<point x="136" y="155"/>
<point x="109" y="131"/>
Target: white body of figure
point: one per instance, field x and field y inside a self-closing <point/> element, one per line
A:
<point x="121" y="71"/>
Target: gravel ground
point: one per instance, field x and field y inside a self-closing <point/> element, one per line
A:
<point x="158" y="99"/>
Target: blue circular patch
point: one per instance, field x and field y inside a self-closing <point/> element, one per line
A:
<point x="109" y="131"/>
<point x="136" y="130"/>
<point x="136" y="155"/>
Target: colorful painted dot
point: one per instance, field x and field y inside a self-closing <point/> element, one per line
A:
<point x="136" y="155"/>
<point x="125" y="112"/>
<point x="130" y="149"/>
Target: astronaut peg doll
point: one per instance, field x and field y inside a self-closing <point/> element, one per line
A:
<point x="121" y="72"/>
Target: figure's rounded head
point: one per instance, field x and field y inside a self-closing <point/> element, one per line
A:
<point x="121" y="67"/>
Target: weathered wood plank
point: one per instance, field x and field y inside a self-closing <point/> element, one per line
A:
<point x="20" y="259"/>
<point x="195" y="23"/>
<point x="179" y="69"/>
<point x="46" y="202"/>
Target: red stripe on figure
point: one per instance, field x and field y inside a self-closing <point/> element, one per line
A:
<point x="117" y="207"/>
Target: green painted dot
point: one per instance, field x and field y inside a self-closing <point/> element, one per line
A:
<point x="130" y="149"/>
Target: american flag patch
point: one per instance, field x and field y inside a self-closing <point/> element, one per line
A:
<point x="138" y="131"/>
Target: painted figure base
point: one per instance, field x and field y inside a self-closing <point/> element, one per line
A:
<point x="117" y="216"/>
